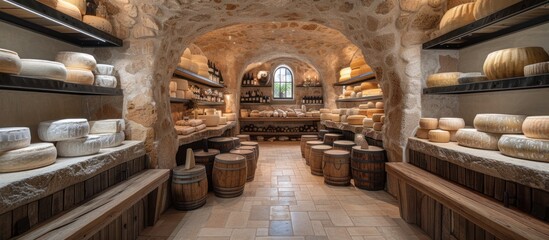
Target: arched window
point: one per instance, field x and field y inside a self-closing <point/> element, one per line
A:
<point x="283" y="87"/>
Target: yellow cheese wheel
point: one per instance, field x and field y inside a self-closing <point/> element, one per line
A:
<point x="439" y="136"/>
<point x="380" y="105"/>
<point x="536" y="69"/>
<point x="520" y="146"/>
<point x="457" y="17"/>
<point x="345" y="71"/>
<point x="173" y="86"/>
<point x="483" y="8"/>
<point x="80" y="76"/>
<point x="368" y="123"/>
<point x="362" y="111"/>
<point x="69" y="9"/>
<point x="369" y="85"/>
<point x="98" y="22"/>
<point x="335" y="117"/>
<point x="377" y="117"/>
<point x="378" y="126"/>
<point x="371" y="104"/>
<point x="372" y="92"/>
<point x="348" y="93"/>
<point x="370" y="112"/>
<point x="363" y="106"/>
<point x="536" y="127"/>
<point x="187" y="54"/>
<point x="365" y="68"/>
<point x="451" y="124"/>
<point x="443" y="79"/>
<point x="357" y="89"/>
<point x="428" y="123"/>
<point x="325" y="110"/>
<point x="422" y="133"/>
<point x="508" y="63"/>
<point x="357" y="62"/>
<point x="210" y="120"/>
<point x="326" y="116"/>
<point x="499" y="123"/>
<point x="200" y="59"/>
<point x="472" y="78"/>
<point x="349" y="88"/>
<point x="344" y="77"/>
<point x="356" y="119"/>
<point x="472" y="138"/>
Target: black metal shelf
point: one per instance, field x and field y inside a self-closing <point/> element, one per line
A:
<point x="369" y="76"/>
<point x="193" y="77"/>
<point x="204" y="103"/>
<point x="11" y="82"/>
<point x="520" y="16"/>
<point x="179" y="100"/>
<point x="47" y="21"/>
<point x="361" y="99"/>
<point x="519" y="83"/>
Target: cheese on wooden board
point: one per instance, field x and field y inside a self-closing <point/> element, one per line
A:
<point x="14" y="138"/>
<point x="105" y="81"/>
<point x="65" y="129"/>
<point x="520" y="146"/>
<point x="9" y="62"/>
<point x="109" y="140"/>
<point x="107" y="126"/>
<point x="483" y="8"/>
<point x="35" y="68"/>
<point x="508" y="63"/>
<point x="173" y="86"/>
<point x="443" y="79"/>
<point x="536" y="127"/>
<point x="356" y="119"/>
<point x="210" y="120"/>
<point x="470" y="137"/>
<point x="80" y="76"/>
<point x="451" y="124"/>
<point x="98" y="22"/>
<point x="377" y="126"/>
<point x="34" y="156"/>
<point x="377" y="117"/>
<point x="184" y="130"/>
<point x="428" y="123"/>
<point x="370" y="112"/>
<point x="536" y="69"/>
<point x="368" y="85"/>
<point x="87" y="145"/>
<point x="104" y="69"/>
<point x="77" y="60"/>
<point x="439" y="136"/>
<point x="380" y="105"/>
<point x="457" y="17"/>
<point x="499" y="123"/>
<point x="422" y="133"/>
<point x="200" y="127"/>
<point x="368" y="123"/>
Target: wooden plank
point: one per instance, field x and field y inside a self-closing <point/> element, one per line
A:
<point x="462" y="230"/>
<point x="20" y="220"/>
<point x="470" y="230"/>
<point x="511" y="193"/>
<point x="6" y="220"/>
<point x="479" y="233"/>
<point x="44" y="208"/>
<point x="437" y="221"/>
<point x="104" y="180"/>
<point x="97" y="184"/>
<point x="453" y="172"/>
<point x="499" y="189"/>
<point x="489" y="185"/>
<point x="88" y="188"/>
<point x="540" y="204"/>
<point x="478" y="182"/>
<point x="124" y="225"/>
<point x="57" y="202"/>
<point x="446" y="222"/>
<point x="32" y="209"/>
<point x="524" y="198"/>
<point x="68" y="198"/>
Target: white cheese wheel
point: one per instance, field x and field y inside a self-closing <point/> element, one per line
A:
<point x="520" y="146"/>
<point x="470" y="137"/>
<point x="173" y="86"/>
<point x="372" y="92"/>
<point x="368" y="123"/>
<point x="104" y="69"/>
<point x="536" y="69"/>
<point x="371" y="104"/>
<point x="76" y="60"/>
<point x="380" y="105"/>
<point x="356" y="119"/>
<point x="457" y="17"/>
<point x="80" y="76"/>
<point x="345" y="71"/>
<point x="536" y="127"/>
<point x="377" y="117"/>
<point x="110" y="140"/>
<point x="377" y="126"/>
<point x="107" y="126"/>
<point x="368" y="85"/>
<point x="451" y="124"/>
<point x="210" y="120"/>
<point x="443" y="79"/>
<point x="499" y="123"/>
<point x="99" y="23"/>
<point x="105" y="81"/>
<point x="34" y="156"/>
<point x="65" y="129"/>
<point x="14" y="138"/>
<point x="209" y="111"/>
<point x="508" y="63"/>
<point x="370" y="112"/>
<point x="36" y="68"/>
<point x="87" y="145"/>
<point x="422" y="133"/>
<point x="484" y="8"/>
<point x="428" y="123"/>
<point x="9" y="62"/>
<point x="439" y="136"/>
<point x="180" y="94"/>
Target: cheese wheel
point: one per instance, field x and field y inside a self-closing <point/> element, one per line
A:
<point x="377" y="117"/>
<point x="368" y="85"/>
<point x="536" y="69"/>
<point x="499" y="123"/>
<point x="520" y="146"/>
<point x="34" y="156"/>
<point x="377" y="126"/>
<point x="105" y="81"/>
<point x="380" y="105"/>
<point x="173" y="86"/>
<point x="536" y="127"/>
<point x="348" y="93"/>
<point x="451" y="124"/>
<point x="344" y="78"/>
<point x="203" y="73"/>
<point x="372" y="92"/>
<point x="80" y="4"/>
<point x="363" y="106"/>
<point x="428" y="123"/>
<point x="422" y="133"/>
<point x="356" y="119"/>
<point x="68" y="9"/>
<point x="325" y="110"/>
<point x="98" y="22"/>
<point x="370" y="112"/>
<point x="356" y="72"/>
<point x="335" y="117"/>
<point x="110" y="140"/>
<point x="87" y="145"/>
<point x="357" y="62"/>
<point x="453" y="136"/>
<point x="439" y="136"/>
<point x="326" y="116"/>
<point x="365" y="69"/>
<point x="173" y="95"/>
<point x="187" y="53"/>
<point x="357" y="89"/>
<point x="185" y="63"/>
<point x="508" y="63"/>
<point x="371" y="104"/>
<point x="457" y="17"/>
<point x="211" y="120"/>
<point x="9" y="62"/>
<point x="184" y="130"/>
<point x="107" y="126"/>
<point x="382" y="119"/>
<point x="222" y="121"/>
<point x="345" y="71"/>
<point x="65" y="129"/>
<point x="473" y="138"/>
<point x="76" y="60"/>
<point x="180" y="94"/>
<point x="104" y="69"/>
<point x="80" y="76"/>
<point x="35" y="68"/>
<point x="182" y="84"/>
<point x="14" y="138"/>
<point x="484" y="8"/>
<point x="199" y="59"/>
<point x="368" y="123"/>
<point x="443" y="79"/>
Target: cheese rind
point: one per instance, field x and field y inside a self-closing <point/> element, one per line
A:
<point x="34" y="156"/>
<point x="14" y="138"/>
<point x="443" y="79"/>
<point x="520" y="146"/>
<point x="80" y="76"/>
<point x="65" y="129"/>
<point x="109" y="140"/>
<point x="422" y="133"/>
<point x="536" y="127"/>
<point x="368" y="123"/>
<point x="9" y="62"/>
<point x="370" y="112"/>
<point x="87" y="145"/>
<point x="508" y="63"/>
<point x="77" y="60"/>
<point x="36" y="68"/>
<point x="428" y="123"/>
<point x="472" y="138"/>
<point x="104" y="69"/>
<point x="210" y="120"/>
<point x="536" y="69"/>
<point x="380" y="105"/>
<point x="356" y="119"/>
<point x="483" y="8"/>
<point x="499" y="123"/>
<point x="457" y="17"/>
<point x="439" y="136"/>
<point x="451" y="124"/>
<point x="377" y="117"/>
<point x="107" y="126"/>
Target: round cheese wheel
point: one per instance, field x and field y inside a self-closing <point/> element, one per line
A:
<point x="536" y="69"/>
<point x="357" y="89"/>
<point x="173" y="95"/>
<point x="484" y="8"/>
<point x="110" y="140"/>
<point x="230" y="116"/>
<point x="222" y="121"/>
<point x="69" y="9"/>
<point x="9" y="62"/>
<point x="14" y="138"/>
<point x="348" y="93"/>
<point x="457" y="17"/>
<point x="98" y="22"/>
<point x="87" y="145"/>
<point x="356" y="72"/>
<point x="382" y="119"/>
<point x="357" y="62"/>
<point x="104" y="69"/>
<point x="368" y="85"/>
<point x="107" y="126"/>
<point x="368" y="123"/>
<point x="345" y="71"/>
<point x="372" y="92"/>
<point x="199" y="59"/>
<point x="35" y="68"/>
<point x="77" y="60"/>
<point x="180" y="94"/>
<point x="499" y="123"/>
<point x="370" y="112"/>
<point x="451" y="124"/>
<point x="203" y="73"/>
<point x="371" y="104"/>
<point x="365" y="68"/>
<point x="34" y="156"/>
<point x="363" y="106"/>
<point x="325" y="110"/>
<point x="536" y="127"/>
<point x="326" y="116"/>
<point x="335" y="117"/>
<point x="443" y="79"/>
<point x="472" y="138"/>
<point x="356" y="119"/>
<point x="80" y="4"/>
<point x="182" y="84"/>
<point x="380" y="105"/>
<point x="422" y="133"/>
<point x="80" y="76"/>
<point x="508" y="63"/>
<point x="173" y="86"/>
<point x="439" y="136"/>
<point x="520" y="146"/>
<point x="377" y="126"/>
<point x="185" y="63"/>
<point x="65" y="129"/>
<point x="211" y="120"/>
<point x="184" y="130"/>
<point x="428" y="123"/>
<point x="377" y="117"/>
<point x="105" y="81"/>
<point x="344" y="78"/>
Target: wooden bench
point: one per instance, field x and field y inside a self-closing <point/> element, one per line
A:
<point x="502" y="222"/>
<point x="89" y="218"/>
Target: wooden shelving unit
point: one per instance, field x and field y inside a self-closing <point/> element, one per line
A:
<point x="370" y="76"/>
<point x="11" y="82"/>
<point x="361" y="99"/>
<point x="278" y="119"/>
<point x="179" y="100"/>
<point x="520" y="83"/>
<point x="301" y="86"/>
<point x="278" y="133"/>
<point x="193" y="77"/>
<point x="255" y="86"/>
<point x="206" y="133"/>
<point x="282" y="103"/>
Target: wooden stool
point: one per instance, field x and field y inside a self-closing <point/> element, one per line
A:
<point x="368" y="167"/>
<point x="251" y="143"/>
<point x="308" y="146"/>
<point x="252" y="148"/>
<point x="322" y="132"/>
<point x="335" y="167"/>
<point x="223" y="144"/>
<point x="315" y="158"/>
<point x="250" y="162"/>
<point x="344" y="145"/>
<point x="189" y="187"/>
<point x="207" y="159"/>
<point x="236" y="141"/>
<point x="330" y="138"/>
<point x="229" y="175"/>
<point x="243" y="137"/>
<point x="304" y="139"/>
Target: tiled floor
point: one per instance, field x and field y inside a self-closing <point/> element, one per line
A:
<point x="286" y="202"/>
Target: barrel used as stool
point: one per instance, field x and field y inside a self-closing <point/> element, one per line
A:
<point x="250" y="143"/>
<point x="254" y="149"/>
<point x="322" y="132"/>
<point x="308" y="146"/>
<point x="243" y="137"/>
<point x="335" y="167"/>
<point x="236" y="141"/>
<point x="207" y="159"/>
<point x="344" y="145"/>
<point x="189" y="187"/>
<point x="250" y="162"/>
<point x="229" y="175"/>
<point x="304" y="139"/>
<point x="330" y="138"/>
<point x="315" y="158"/>
<point x="223" y="144"/>
<point x="368" y="167"/>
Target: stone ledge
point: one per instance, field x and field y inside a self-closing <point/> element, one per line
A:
<point x="368" y="132"/>
<point x="24" y="187"/>
<point x="205" y="133"/>
<point x="493" y="163"/>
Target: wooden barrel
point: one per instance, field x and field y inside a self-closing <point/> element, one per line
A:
<point x="368" y="167"/>
<point x="223" y="144"/>
<point x="250" y="162"/>
<point x="251" y="143"/>
<point x="322" y="132"/>
<point x="316" y="155"/>
<point x="335" y="167"/>
<point x="229" y="175"/>
<point x="252" y="148"/>
<point x="304" y="139"/>
<point x="344" y="145"/>
<point x="243" y="137"/>
<point x="330" y="138"/>
<point x="207" y="159"/>
<point x="308" y="146"/>
<point x="189" y="187"/>
<point x="236" y="141"/>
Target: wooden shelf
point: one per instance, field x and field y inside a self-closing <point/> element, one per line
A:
<point x="370" y="76"/>
<point x="278" y="134"/>
<point x="278" y="119"/>
<point x="282" y="103"/>
<point x="180" y="100"/>
<point x="254" y="86"/>
<point x="203" y="103"/>
<point x="47" y="21"/>
<point x="520" y="83"/>
<point x="361" y="99"/>
<point x="193" y="77"/>
<point x="11" y="82"/>
<point x="205" y="133"/>
<point x="520" y="16"/>
<point x="301" y="86"/>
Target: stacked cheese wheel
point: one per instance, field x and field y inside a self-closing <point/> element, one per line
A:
<point x="71" y="136"/>
<point x="182" y="89"/>
<point x="104" y="76"/>
<point x="110" y="132"/>
<point x="10" y="62"/>
<point x="441" y="130"/>
<point x="488" y="130"/>
<point x="18" y="154"/>
<point x="359" y="67"/>
<point x="186" y="62"/>
<point x="79" y="67"/>
<point x="533" y="145"/>
<point x="202" y="63"/>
